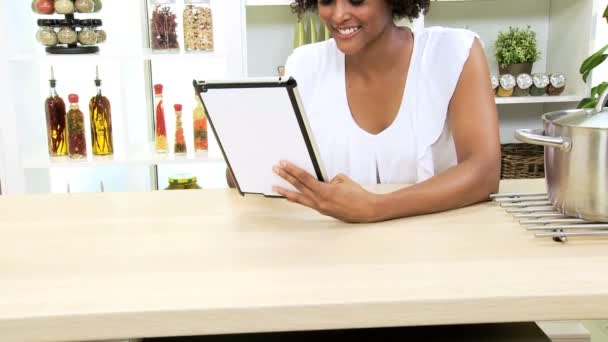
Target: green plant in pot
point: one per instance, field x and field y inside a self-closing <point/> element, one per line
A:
<point x="588" y="65"/>
<point x="516" y="51"/>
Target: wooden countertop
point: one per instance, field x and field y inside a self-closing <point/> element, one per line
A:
<point x="105" y="266"/>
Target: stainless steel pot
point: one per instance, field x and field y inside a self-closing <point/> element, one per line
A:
<point x="576" y="160"/>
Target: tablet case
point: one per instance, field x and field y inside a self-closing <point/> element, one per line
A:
<point x="259" y="122"/>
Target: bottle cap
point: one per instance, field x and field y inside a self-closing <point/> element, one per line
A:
<point x="158" y="89"/>
<point x="178" y="107"/>
<point x="73" y="98"/>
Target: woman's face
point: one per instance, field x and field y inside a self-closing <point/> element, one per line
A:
<point x="354" y="24"/>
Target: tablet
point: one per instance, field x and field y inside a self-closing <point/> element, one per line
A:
<point x="258" y="123"/>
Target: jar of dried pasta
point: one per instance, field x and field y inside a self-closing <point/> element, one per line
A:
<point x="198" y="25"/>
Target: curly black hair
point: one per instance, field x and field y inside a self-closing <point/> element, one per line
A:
<point x="410" y="9"/>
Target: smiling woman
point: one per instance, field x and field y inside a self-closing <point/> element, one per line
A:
<point x="388" y="105"/>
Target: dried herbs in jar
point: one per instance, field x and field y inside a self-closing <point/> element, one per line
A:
<point x="163" y="25"/>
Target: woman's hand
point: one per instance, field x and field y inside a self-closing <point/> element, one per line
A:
<point x="341" y="198"/>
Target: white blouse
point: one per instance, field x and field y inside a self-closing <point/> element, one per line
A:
<point x="418" y="144"/>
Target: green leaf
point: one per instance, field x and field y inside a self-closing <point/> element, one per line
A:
<point x="595" y="62"/>
<point x="606" y="14"/>
<point x="599" y="89"/>
<point x="587" y="103"/>
<point x="587" y="62"/>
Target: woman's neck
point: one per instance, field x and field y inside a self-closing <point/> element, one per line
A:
<point x="382" y="55"/>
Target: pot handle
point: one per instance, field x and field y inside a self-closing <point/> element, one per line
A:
<point x="602" y="101"/>
<point x="538" y="137"/>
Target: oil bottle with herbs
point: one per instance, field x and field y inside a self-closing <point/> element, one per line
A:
<point x="101" y="122"/>
<point x="77" y="146"/>
<point x="55" y="121"/>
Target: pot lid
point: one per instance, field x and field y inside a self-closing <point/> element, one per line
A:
<point x="589" y="118"/>
<point x="584" y="118"/>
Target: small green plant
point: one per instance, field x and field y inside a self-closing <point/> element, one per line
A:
<point x="516" y="46"/>
<point x="588" y="65"/>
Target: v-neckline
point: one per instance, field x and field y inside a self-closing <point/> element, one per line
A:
<point x="403" y="95"/>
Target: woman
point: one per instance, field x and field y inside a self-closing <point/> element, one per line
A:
<point x="388" y="105"/>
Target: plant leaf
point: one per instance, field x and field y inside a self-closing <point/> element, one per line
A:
<point x="606" y="13"/>
<point x="587" y="103"/>
<point x="587" y="62"/>
<point x="598" y="90"/>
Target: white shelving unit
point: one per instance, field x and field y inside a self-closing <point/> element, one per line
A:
<point x="128" y="70"/>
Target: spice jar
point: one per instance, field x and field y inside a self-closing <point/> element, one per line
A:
<point x="183" y="182"/>
<point x="557" y="84"/>
<point x="524" y="82"/>
<point x="43" y="6"/>
<point x="64" y="6"/>
<point x="101" y="36"/>
<point x="198" y="26"/>
<point x="98" y="5"/>
<point x="163" y="25"/>
<point x="540" y="83"/>
<point x="84" y="6"/>
<point x="495" y="84"/>
<point x="47" y="36"/>
<point x="67" y="35"/>
<point x="87" y="36"/>
<point x="507" y="84"/>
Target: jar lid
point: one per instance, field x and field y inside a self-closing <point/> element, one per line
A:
<point x="507" y="81"/>
<point x="158" y="89"/>
<point x="182" y="178"/>
<point x="558" y="80"/>
<point x="178" y="107"/>
<point x="524" y="81"/>
<point x="540" y="80"/>
<point x="73" y="98"/>
<point x="494" y="81"/>
<point x="159" y="2"/>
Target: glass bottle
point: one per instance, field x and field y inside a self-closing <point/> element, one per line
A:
<point x="163" y="25"/>
<point x="55" y="122"/>
<point x="161" y="128"/>
<point x="180" y="141"/>
<point x="101" y="122"/>
<point x="199" y="117"/>
<point x="198" y="25"/>
<point x="77" y="146"/>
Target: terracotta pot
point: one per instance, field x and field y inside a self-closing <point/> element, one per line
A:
<point x="516" y="69"/>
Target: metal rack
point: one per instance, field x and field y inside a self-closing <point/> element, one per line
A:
<point x="535" y="211"/>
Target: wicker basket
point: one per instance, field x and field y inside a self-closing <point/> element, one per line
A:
<point x="522" y="161"/>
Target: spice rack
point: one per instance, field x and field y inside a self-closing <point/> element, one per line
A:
<point x="70" y="35"/>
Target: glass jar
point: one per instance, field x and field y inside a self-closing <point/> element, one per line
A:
<point x="160" y="140"/>
<point x="183" y="182"/>
<point x="98" y="5"/>
<point x="524" y="82"/>
<point x="163" y="25"/>
<point x="494" y="81"/>
<point x="84" y="6"/>
<point x="64" y="6"/>
<point x="87" y="36"/>
<point x="67" y="35"/>
<point x="540" y="83"/>
<point x="47" y="36"/>
<point x="557" y="84"/>
<point x="198" y="25"/>
<point x="101" y="36"/>
<point x="507" y="84"/>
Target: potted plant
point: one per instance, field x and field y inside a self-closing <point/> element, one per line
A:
<point x="516" y="51"/>
<point x="588" y="65"/>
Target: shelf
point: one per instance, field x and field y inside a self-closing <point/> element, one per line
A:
<point x="142" y="159"/>
<point x="538" y="99"/>
<point x="268" y="2"/>
<point x="146" y="54"/>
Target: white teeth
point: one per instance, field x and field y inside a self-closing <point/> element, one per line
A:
<point x="348" y="30"/>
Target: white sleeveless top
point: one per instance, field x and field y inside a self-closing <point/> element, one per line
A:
<point x="418" y="144"/>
